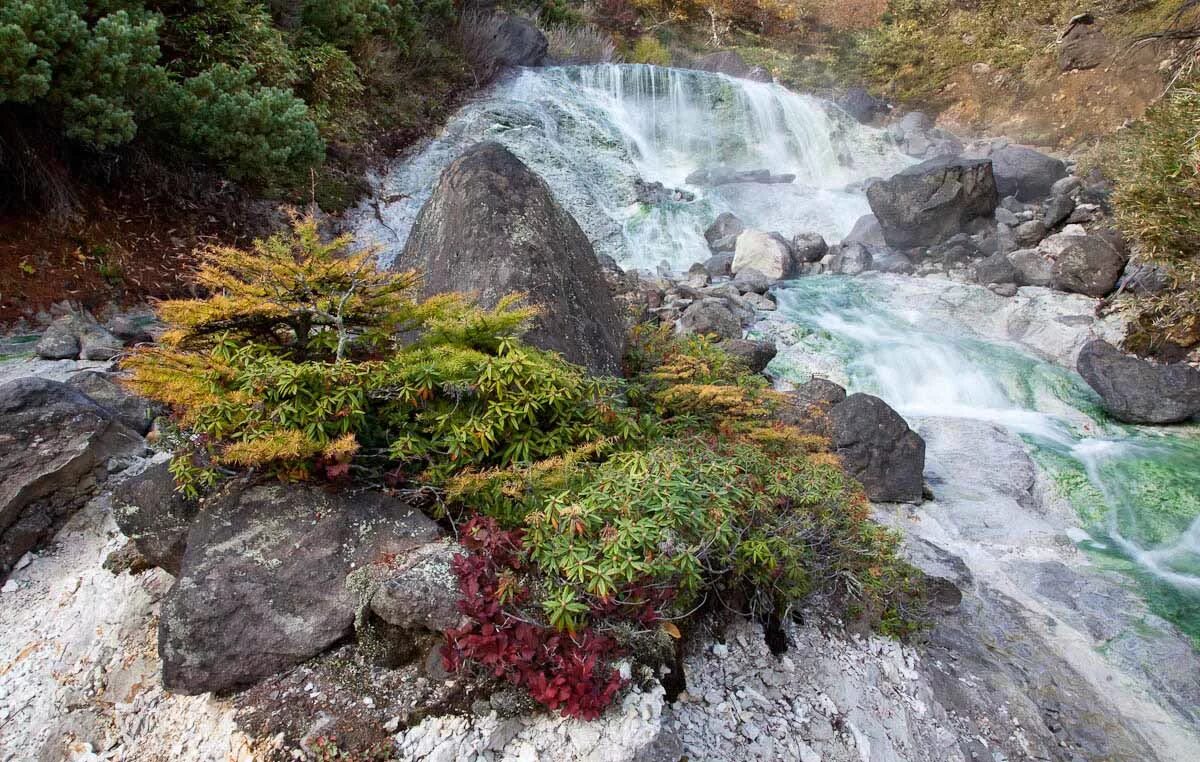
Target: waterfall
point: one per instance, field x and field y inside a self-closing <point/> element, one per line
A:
<point x="591" y="131"/>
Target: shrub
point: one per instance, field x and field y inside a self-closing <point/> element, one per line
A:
<point x="648" y="50"/>
<point x="582" y="44"/>
<point x="249" y="131"/>
<point x="295" y="365"/>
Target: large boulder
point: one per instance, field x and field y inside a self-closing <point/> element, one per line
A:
<point x="262" y="586"/>
<point x="764" y="252"/>
<point x="757" y="354"/>
<point x="133" y="411"/>
<point x="874" y="443"/>
<point x="1083" y="46"/>
<point x="723" y="233"/>
<point x="57" y="447"/>
<point x="1083" y="264"/>
<point x="997" y="268"/>
<point x="1139" y="391"/>
<point x="1034" y="267"/>
<point x="1025" y="173"/>
<point x="861" y="105"/>
<point x="518" y="42"/>
<point x="808" y="248"/>
<point x="78" y="335"/>
<point x="932" y="201"/>
<point x="710" y="317"/>
<point x="493" y="227"/>
<point x="866" y="230"/>
<point x="878" y="448"/>
<point x="150" y="511"/>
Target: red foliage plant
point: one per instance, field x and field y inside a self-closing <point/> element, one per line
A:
<point x="570" y="674"/>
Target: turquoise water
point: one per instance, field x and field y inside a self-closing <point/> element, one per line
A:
<point x="1136" y="489"/>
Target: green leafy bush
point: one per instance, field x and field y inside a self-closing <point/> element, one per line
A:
<point x="294" y="365"/>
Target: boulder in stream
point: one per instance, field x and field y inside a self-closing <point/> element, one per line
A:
<point x="933" y="201"/>
<point x="1139" y="391"/>
<point x="492" y="227"/>
<point x="765" y="252"/>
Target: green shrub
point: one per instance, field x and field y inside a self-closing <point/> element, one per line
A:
<point x="648" y="50"/>
<point x="294" y="365"/>
<point x="248" y="130"/>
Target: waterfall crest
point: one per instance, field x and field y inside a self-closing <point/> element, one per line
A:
<point x="592" y="131"/>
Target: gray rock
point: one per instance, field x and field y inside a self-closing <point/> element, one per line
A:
<point x="1005" y="217"/>
<point x="755" y="354"/>
<point x="262" y="585"/>
<point x="765" y="252"/>
<point x="861" y="105"/>
<point x="492" y="227"/>
<point x="1026" y="173"/>
<point x="853" y="259"/>
<point x="1004" y="289"/>
<point x="423" y="593"/>
<point x="133" y="411"/>
<point x="1033" y="267"/>
<point x="710" y="317"/>
<point x="722" y="234"/>
<point x="1066" y="186"/>
<point x="866" y="230"/>
<point x="749" y="280"/>
<point x="1139" y="391"/>
<point x="1030" y="233"/>
<point x="697" y="276"/>
<point x="1058" y="211"/>
<point x="994" y="269"/>
<point x="56" y="448"/>
<point x="1084" y="264"/>
<point x="1084" y="46"/>
<point x="720" y="265"/>
<point x="1143" y="278"/>
<point x="914" y="121"/>
<point x="808" y="247"/>
<point x="518" y="42"/>
<point x="60" y="341"/>
<point x="878" y="449"/>
<point x="933" y="201"/>
<point x="715" y="176"/>
<point x="731" y="62"/>
<point x="148" y="510"/>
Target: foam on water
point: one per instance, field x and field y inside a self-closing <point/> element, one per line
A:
<point x="1143" y="494"/>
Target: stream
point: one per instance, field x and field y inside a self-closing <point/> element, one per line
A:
<point x="591" y="131"/>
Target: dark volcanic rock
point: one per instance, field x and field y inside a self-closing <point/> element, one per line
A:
<point x="520" y="43"/>
<point x="151" y="513"/>
<point x="861" y="105"/>
<point x="710" y="316"/>
<point x="722" y="234"/>
<point x="1025" y="173"/>
<point x="731" y="62"/>
<point x="55" y="447"/>
<point x="1084" y="46"/>
<point x="875" y="444"/>
<point x="878" y="448"/>
<point x="933" y="201"/>
<point x="1085" y="264"/>
<point x="1139" y="391"/>
<point x="723" y="176"/>
<point x="755" y="353"/>
<point x="133" y="411"/>
<point x="493" y="227"/>
<point x="263" y="580"/>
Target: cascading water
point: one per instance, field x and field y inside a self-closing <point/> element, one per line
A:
<point x="592" y="131"/>
<point x="1137" y="490"/>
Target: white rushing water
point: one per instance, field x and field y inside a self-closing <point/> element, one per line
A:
<point x="1137" y="489"/>
<point x="591" y="131"/>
